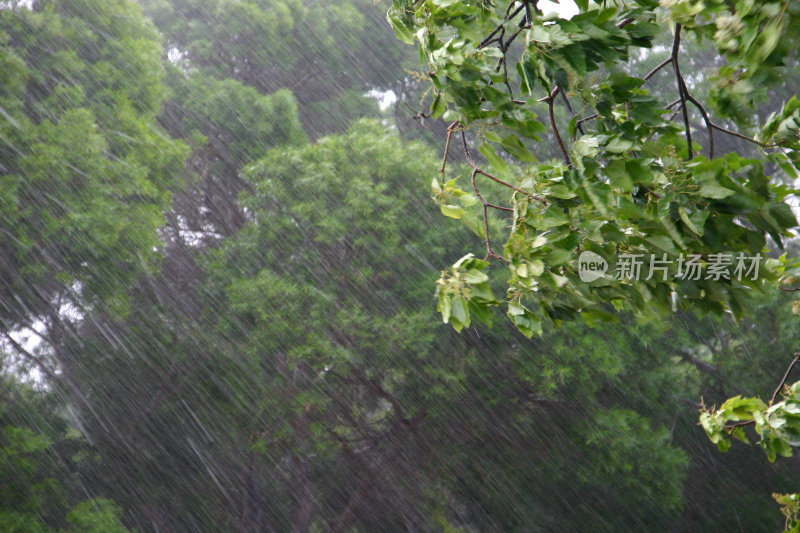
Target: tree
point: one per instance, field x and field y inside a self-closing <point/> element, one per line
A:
<point x="326" y="53"/>
<point x="631" y="182"/>
<point x="281" y="368"/>
<point x="228" y="124"/>
<point x="38" y="457"/>
<point x="86" y="172"/>
<point x="301" y="374"/>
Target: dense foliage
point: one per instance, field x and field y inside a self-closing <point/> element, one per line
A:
<point x="627" y="188"/>
<point x="218" y="256"/>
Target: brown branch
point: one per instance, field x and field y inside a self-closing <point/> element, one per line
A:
<point x="578" y="126"/>
<point x="513" y="37"/>
<point x="554" y="127"/>
<point x="486" y="205"/>
<point x="625" y="22"/>
<point x="499" y="207"/>
<point x="658" y="67"/>
<point x="706" y="119"/>
<point x="580" y="122"/>
<point x="501" y="27"/>
<point x="489" y="251"/>
<point x="503" y="62"/>
<point x="506" y="184"/>
<point x="382" y="393"/>
<point x="505" y="45"/>
<point x="475" y="167"/>
<point x="698" y="363"/>
<point x="783" y="379"/>
<point x="450" y="129"/>
<point x="744" y="137"/>
<point x="676" y="45"/>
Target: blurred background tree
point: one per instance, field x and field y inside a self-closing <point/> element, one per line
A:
<point x="228" y="253"/>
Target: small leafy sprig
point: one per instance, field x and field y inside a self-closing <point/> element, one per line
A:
<point x="776" y="423"/>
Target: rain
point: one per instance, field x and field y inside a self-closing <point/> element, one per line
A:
<point x="219" y="306"/>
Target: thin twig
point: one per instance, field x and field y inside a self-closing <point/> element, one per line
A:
<point x="501" y="28"/>
<point x="503" y="62"/>
<point x="783" y="379"/>
<point x="554" y="127"/>
<point x="486" y="205"/>
<point x="580" y="122"/>
<point x="474" y="166"/>
<point x="417" y="114"/>
<point x="744" y="137"/>
<point x="706" y="119"/>
<point x="774" y="394"/>
<point x="489" y="251"/>
<point x="658" y="67"/>
<point x="676" y="44"/>
<point x="578" y="127"/>
<point x="450" y="130"/>
<point x="625" y="22"/>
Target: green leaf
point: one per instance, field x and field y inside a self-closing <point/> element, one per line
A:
<point x="482" y="312"/>
<point x="474" y="276"/>
<point x="587" y="145"/>
<point x="444" y="307"/>
<point x="495" y="160"/>
<point x="452" y="211"/>
<point x="618" y="145"/>
<point x="553" y="216"/>
<point x="436" y="187"/>
<point x="459" y="312"/>
<point x="400" y="30"/>
<point x="514" y="146"/>
<point x="715" y="191"/>
<point x="467" y="200"/>
<point x="686" y="219"/>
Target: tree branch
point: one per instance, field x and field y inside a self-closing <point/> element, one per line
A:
<point x="489" y="251"/>
<point x="658" y="67"/>
<point x="493" y="178"/>
<point x="32" y="358"/>
<point x="774" y="396"/>
<point x="477" y="170"/>
<point x="698" y="363"/>
<point x="676" y="45"/>
<point x="744" y="137"/>
<point x="706" y="119"/>
<point x="578" y="125"/>
<point x="783" y="379"/>
<point x="383" y="394"/>
<point x="554" y="127"/>
<point x="450" y="129"/>
<point x="501" y="27"/>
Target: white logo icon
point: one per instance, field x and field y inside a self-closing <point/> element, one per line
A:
<point x="591" y="266"/>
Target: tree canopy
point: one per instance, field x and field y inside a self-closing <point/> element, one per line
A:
<point x="636" y="179"/>
<point x="219" y="254"/>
